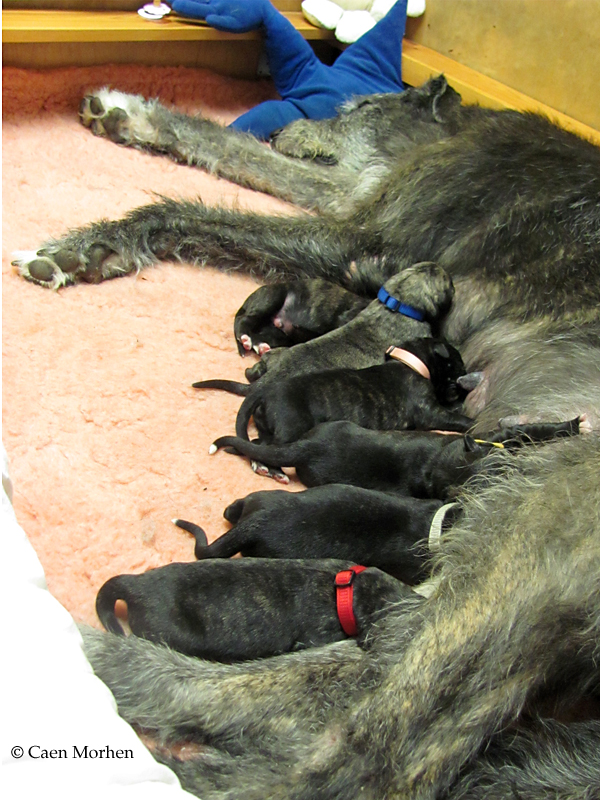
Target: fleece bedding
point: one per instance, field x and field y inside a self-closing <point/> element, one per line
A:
<point x="106" y="439"/>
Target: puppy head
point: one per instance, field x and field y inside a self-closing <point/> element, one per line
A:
<point x="445" y="367"/>
<point x="424" y="286"/>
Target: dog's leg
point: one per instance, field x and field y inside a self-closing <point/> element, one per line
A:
<point x="172" y="694"/>
<point x="131" y="120"/>
<point x="189" y="231"/>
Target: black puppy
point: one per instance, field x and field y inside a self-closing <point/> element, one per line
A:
<point x="284" y="314"/>
<point x="413" y="463"/>
<point x="389" y="396"/>
<point x="367" y="527"/>
<point x="242" y="609"/>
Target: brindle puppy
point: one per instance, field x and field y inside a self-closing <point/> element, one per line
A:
<point x="390" y="396"/>
<point x="335" y="521"/>
<point x="284" y="314"/>
<point x="411" y="463"/>
<point x="240" y="609"/>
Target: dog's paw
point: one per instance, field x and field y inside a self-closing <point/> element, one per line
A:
<point x="269" y="472"/>
<point x="122" y="118"/>
<point x="55" y="266"/>
<point x="302" y="139"/>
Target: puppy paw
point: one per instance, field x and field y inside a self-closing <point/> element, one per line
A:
<point x="269" y="472"/>
<point x="246" y="342"/>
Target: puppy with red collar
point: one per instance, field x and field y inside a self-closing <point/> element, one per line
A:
<point x="241" y="609"/>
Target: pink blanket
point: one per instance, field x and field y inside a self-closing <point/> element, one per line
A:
<point x="107" y="440"/>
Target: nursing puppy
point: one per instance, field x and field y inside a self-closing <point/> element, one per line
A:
<point x="423" y="294"/>
<point x="241" y="609"/>
<point x="284" y="314"/>
<point x="367" y="527"/>
<point x="390" y="396"/>
<point x="422" y="464"/>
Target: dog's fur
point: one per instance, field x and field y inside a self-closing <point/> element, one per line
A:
<point x="423" y="464"/>
<point x="240" y="609"/>
<point x="284" y="314"/>
<point x="446" y="703"/>
<point x="389" y="396"/>
<point x="367" y="527"/>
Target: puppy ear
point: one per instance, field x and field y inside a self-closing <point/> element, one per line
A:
<point x="440" y="349"/>
<point x="470" y="443"/>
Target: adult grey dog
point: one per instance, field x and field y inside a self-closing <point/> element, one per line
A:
<point x="473" y="693"/>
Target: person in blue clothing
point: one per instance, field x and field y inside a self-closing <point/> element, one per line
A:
<point x="307" y="87"/>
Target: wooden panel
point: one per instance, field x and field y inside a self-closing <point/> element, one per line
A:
<point x="420" y="63"/>
<point x="123" y="26"/>
<point x="547" y="49"/>
<point x="238" y="61"/>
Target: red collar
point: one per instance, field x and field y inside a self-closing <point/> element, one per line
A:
<point x="344" y="595"/>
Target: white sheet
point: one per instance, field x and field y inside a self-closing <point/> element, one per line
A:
<point x="53" y="701"/>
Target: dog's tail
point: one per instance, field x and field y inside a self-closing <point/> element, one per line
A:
<point x="225" y="546"/>
<point x="273" y="455"/>
<point x="114" y="589"/>
<point x="197" y="532"/>
<point x="246" y="411"/>
<point x="233" y="387"/>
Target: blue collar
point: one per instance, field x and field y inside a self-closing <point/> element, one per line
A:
<point x="395" y="305"/>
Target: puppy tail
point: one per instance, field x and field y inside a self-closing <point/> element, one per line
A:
<point x="233" y="387"/>
<point x="269" y="454"/>
<point x="245" y="413"/>
<point x="106" y="598"/>
<point x="196" y="531"/>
